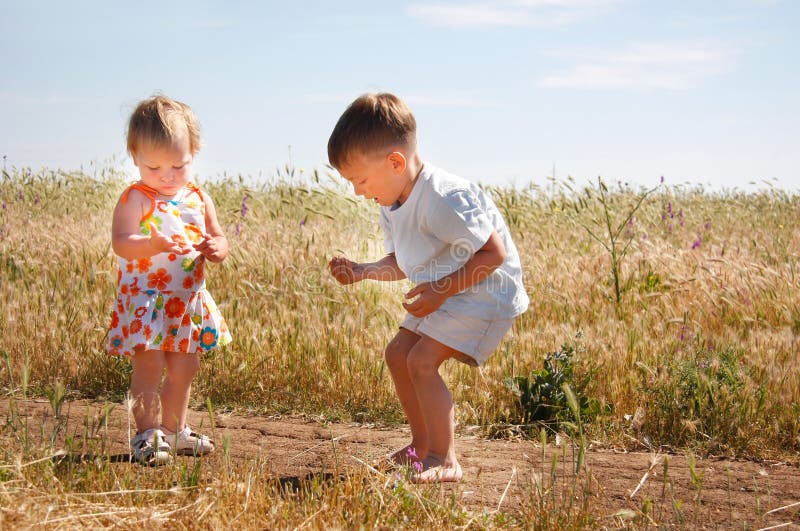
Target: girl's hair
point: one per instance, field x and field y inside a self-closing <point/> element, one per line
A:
<point x="161" y="121"/>
<point x="373" y="122"/>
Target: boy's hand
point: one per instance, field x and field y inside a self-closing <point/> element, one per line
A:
<point x="345" y="271"/>
<point x="162" y="244"/>
<point x="211" y="247"/>
<point x="430" y="297"/>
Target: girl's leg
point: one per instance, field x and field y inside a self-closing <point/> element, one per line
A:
<point x="148" y="365"/>
<point x="397" y="360"/>
<point x="181" y="368"/>
<point x="424" y="359"/>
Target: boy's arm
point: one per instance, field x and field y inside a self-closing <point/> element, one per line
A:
<point x="347" y="272"/>
<point x="433" y="294"/>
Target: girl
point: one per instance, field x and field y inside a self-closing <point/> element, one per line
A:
<point x="163" y="231"/>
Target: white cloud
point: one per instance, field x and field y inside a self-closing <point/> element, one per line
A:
<point x="675" y="66"/>
<point x="509" y="12"/>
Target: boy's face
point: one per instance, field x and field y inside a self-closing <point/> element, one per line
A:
<point x="378" y="177"/>
<point x="164" y="168"/>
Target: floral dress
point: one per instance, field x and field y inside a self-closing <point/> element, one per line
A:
<point x="162" y="301"/>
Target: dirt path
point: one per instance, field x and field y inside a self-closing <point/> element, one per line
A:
<point x="731" y="493"/>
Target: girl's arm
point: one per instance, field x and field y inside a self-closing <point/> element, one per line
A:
<point x="126" y="240"/>
<point x="214" y="244"/>
<point x="346" y="271"/>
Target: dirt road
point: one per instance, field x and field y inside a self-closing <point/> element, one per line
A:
<point x="730" y="493"/>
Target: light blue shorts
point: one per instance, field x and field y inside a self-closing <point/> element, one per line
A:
<point x="475" y="337"/>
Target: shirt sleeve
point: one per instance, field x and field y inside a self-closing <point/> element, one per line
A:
<point x="461" y="221"/>
<point x="386" y="227"/>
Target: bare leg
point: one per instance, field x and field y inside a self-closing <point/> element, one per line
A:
<point x="181" y="368"/>
<point x="440" y="462"/>
<point x="148" y="365"/>
<point x="397" y="360"/>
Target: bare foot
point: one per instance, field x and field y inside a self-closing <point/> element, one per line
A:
<point x="434" y="471"/>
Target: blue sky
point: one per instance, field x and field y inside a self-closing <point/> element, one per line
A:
<point x="503" y="91"/>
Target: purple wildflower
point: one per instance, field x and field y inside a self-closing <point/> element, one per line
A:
<point x="707" y="226"/>
<point x="238" y="228"/>
<point x="669" y="210"/>
<point x="20" y="196"/>
<point x="412" y="452"/>
<point x="303" y="222"/>
<point x="418" y="466"/>
<point x="36" y="200"/>
<point x="244" y="207"/>
<point x="662" y="178"/>
<point x="697" y="242"/>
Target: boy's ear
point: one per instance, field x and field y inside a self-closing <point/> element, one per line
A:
<point x="398" y="161"/>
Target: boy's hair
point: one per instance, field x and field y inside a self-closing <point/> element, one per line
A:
<point x="161" y="121"/>
<point x="373" y="122"/>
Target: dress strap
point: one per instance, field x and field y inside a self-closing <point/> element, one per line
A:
<point x="151" y="194"/>
<point x="194" y="189"/>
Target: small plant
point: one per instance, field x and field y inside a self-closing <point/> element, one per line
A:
<point x="544" y="395"/>
<point x="614" y="229"/>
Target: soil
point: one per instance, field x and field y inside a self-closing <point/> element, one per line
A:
<point x="730" y="493"/>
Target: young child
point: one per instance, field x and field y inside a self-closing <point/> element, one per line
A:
<point x="164" y="229"/>
<point x="447" y="237"/>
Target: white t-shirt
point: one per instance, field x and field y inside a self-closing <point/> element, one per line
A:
<point x="444" y="221"/>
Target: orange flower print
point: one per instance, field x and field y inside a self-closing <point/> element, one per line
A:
<point x="171" y="257"/>
<point x="148" y="332"/>
<point x="196" y="335"/>
<point x="134" y="286"/>
<point x="198" y="271"/>
<point x="143" y="264"/>
<point x="129" y="267"/>
<point x="159" y="279"/>
<point x="168" y="344"/>
<point x="183" y="346"/>
<point x="125" y="331"/>
<point x="115" y="343"/>
<point x="161" y="206"/>
<point x="119" y="276"/>
<point x="175" y="307"/>
<point x="193" y="232"/>
<point x="114" y="319"/>
<point x="136" y="325"/>
<point x="188" y="282"/>
<point x="186" y="321"/>
<point x="140" y="311"/>
<point x="179" y="239"/>
<point x="124" y="289"/>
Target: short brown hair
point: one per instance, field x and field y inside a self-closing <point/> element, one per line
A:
<point x="161" y="121"/>
<point x="371" y="123"/>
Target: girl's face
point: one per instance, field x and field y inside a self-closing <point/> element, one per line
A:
<point x="165" y="168"/>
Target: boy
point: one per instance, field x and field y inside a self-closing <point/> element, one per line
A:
<point x="447" y="237"/>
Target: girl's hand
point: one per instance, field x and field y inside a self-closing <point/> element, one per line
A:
<point x="162" y="244"/>
<point x="429" y="298"/>
<point x="212" y="247"/>
<point x="345" y="271"/>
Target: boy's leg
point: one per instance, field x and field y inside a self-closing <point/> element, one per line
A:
<point x="397" y="360"/>
<point x="440" y="463"/>
<point x="148" y="365"/>
<point x="181" y="368"/>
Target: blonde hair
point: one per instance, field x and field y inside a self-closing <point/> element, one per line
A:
<point x="373" y="122"/>
<point x="162" y="121"/>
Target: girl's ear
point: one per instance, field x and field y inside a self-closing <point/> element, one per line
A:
<point x="398" y="162"/>
<point x="135" y="162"/>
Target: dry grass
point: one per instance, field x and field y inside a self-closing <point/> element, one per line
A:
<point x="701" y="352"/>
